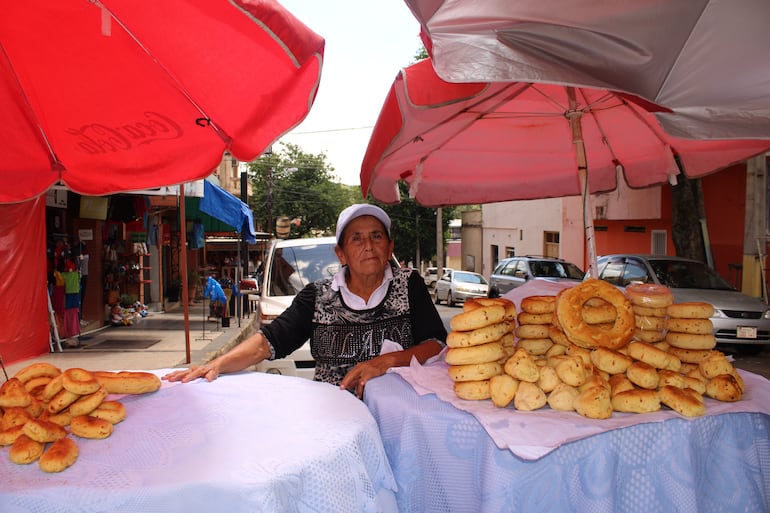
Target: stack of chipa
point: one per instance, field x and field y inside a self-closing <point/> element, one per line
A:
<point x="41" y="406"/>
<point x="608" y="351"/>
<point x="481" y="340"/>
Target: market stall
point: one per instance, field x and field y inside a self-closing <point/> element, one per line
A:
<point x="246" y="442"/>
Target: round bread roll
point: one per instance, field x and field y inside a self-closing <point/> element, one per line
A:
<point x="113" y="411"/>
<point x="530" y="318"/>
<point x="59" y="456"/>
<point x="44" y="431"/>
<point x="647" y="322"/>
<point x="594" y="403"/>
<point x="35" y="383"/>
<point x="669" y="377"/>
<point x="650" y="295"/>
<point x="649" y="311"/>
<point x="609" y="361"/>
<point x="532" y="331"/>
<point x="36" y="370"/>
<point x="86" y="426"/>
<point x="571" y="370"/>
<point x="538" y="304"/>
<point x="483" y="353"/>
<point x="61" y="400"/>
<point x="690" y="310"/>
<point x="472" y="390"/>
<point x="88" y="403"/>
<point x="477" y="318"/>
<point x="502" y="389"/>
<point x="13" y="393"/>
<point x="643" y="375"/>
<point x="489" y="333"/>
<point x="52" y="388"/>
<point x="548" y="379"/>
<point x="24" y="450"/>
<point x="474" y="371"/>
<point x="562" y="398"/>
<point x="475" y="303"/>
<point x="62" y="418"/>
<point x="522" y="366"/>
<point x="694" y="383"/>
<point x="689" y="355"/>
<point x="79" y="381"/>
<point x="558" y="336"/>
<point x="652" y="355"/>
<point x="569" y="312"/>
<point x="529" y="397"/>
<point x="636" y="401"/>
<point x="684" y="401"/>
<point x="15" y="416"/>
<point x="691" y="341"/>
<point x="696" y="326"/>
<point x="8" y="436"/>
<point x="649" y="336"/>
<point x="620" y="383"/>
<point x="714" y="364"/>
<point x="724" y="387"/>
<point x="535" y="346"/>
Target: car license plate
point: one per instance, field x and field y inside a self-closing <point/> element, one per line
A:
<point x="747" y="332"/>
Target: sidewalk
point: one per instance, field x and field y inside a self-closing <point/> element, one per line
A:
<point x="153" y="342"/>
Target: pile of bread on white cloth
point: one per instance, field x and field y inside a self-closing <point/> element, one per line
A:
<point x="591" y="349"/>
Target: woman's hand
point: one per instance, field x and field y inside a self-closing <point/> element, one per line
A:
<point x="210" y="372"/>
<point x="355" y="380"/>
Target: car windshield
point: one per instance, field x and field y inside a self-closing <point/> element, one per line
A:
<point x="469" y="278"/>
<point x="547" y="269"/>
<point x="294" y="267"/>
<point x="682" y="274"/>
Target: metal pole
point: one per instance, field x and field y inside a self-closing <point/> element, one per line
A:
<point x="183" y="272"/>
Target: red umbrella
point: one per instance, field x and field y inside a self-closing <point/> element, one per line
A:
<point x="486" y="142"/>
<point x="704" y="59"/>
<point x="108" y="95"/>
<point x="113" y="95"/>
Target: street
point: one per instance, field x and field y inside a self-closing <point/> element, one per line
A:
<point x="758" y="364"/>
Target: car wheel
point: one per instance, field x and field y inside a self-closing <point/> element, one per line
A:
<point x="435" y="296"/>
<point x="449" y="300"/>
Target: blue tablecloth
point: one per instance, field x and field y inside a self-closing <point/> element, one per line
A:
<point x="444" y="461"/>
<point x="247" y="442"/>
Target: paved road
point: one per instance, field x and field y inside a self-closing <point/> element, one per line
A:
<point x="758" y="364"/>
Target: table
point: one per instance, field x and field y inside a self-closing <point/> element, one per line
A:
<point x="445" y="461"/>
<point x="246" y="442"/>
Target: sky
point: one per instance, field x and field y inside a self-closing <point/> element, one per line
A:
<point x="367" y="44"/>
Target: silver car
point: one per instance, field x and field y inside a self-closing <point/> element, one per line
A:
<point x="738" y="319"/>
<point x="513" y="272"/>
<point x="457" y="286"/>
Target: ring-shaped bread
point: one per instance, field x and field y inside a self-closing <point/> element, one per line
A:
<point x="569" y="308"/>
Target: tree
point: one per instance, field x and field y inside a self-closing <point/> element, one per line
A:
<point x="300" y="186"/>
<point x="688" y="210"/>
<point x="414" y="228"/>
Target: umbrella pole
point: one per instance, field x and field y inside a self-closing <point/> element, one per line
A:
<point x="574" y="116"/>
<point x="183" y="272"/>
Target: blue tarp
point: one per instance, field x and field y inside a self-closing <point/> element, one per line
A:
<point x="222" y="205"/>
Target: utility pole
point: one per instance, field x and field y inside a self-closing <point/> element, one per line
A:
<point x="270" y="201"/>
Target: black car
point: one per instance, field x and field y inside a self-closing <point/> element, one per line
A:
<point x="515" y="271"/>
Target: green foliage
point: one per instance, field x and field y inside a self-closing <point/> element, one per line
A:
<point x="300" y="186"/>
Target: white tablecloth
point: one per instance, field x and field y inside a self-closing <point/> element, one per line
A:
<point x="247" y="442"/>
<point x="445" y="461"/>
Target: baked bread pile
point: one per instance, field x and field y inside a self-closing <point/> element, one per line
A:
<point x="593" y="349"/>
<point x="42" y="408"/>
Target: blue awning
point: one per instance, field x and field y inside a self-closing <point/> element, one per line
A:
<point x="222" y="205"/>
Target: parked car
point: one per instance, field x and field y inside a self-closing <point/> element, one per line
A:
<point x="738" y="318"/>
<point x="513" y="272"/>
<point x="457" y="286"/>
<point x="430" y="276"/>
<point x="289" y="265"/>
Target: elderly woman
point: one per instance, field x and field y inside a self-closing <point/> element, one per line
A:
<point x="349" y="317"/>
